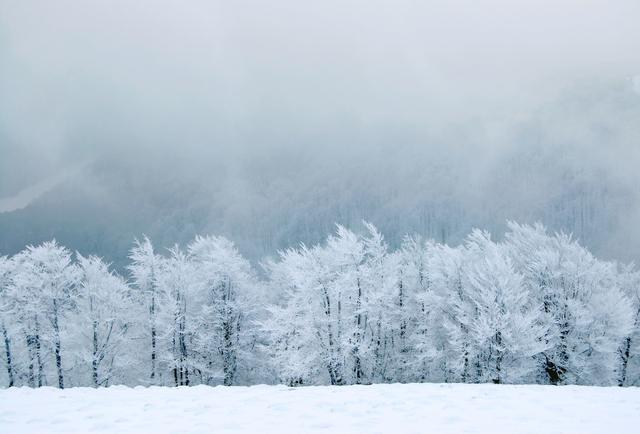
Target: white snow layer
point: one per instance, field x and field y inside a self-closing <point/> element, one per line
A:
<point x="395" y="408"/>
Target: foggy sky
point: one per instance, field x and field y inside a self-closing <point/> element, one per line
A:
<point x="262" y="88"/>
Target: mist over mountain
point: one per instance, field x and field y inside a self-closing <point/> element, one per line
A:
<point x="268" y="123"/>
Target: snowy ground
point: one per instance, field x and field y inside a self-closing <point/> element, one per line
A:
<point x="412" y="408"/>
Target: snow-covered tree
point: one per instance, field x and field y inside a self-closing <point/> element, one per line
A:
<point x="431" y="276"/>
<point x="630" y="349"/>
<point x="325" y="295"/>
<point x="5" y="308"/>
<point x="106" y="312"/>
<point x="534" y="307"/>
<point x="293" y="326"/>
<point x="507" y="330"/>
<point x="587" y="314"/>
<point x="454" y="355"/>
<point x="226" y="330"/>
<point x="44" y="284"/>
<point x="382" y="305"/>
<point x="346" y="291"/>
<point x="144" y="270"/>
<point x="176" y="281"/>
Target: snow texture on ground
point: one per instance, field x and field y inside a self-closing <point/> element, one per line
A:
<point x="409" y="408"/>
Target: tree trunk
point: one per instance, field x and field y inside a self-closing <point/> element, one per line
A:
<point x="335" y="374"/>
<point x="174" y="343"/>
<point x="180" y="371"/>
<point x="183" y="345"/>
<point x="228" y="356"/>
<point x="625" y="352"/>
<point x="58" y="349"/>
<point x="553" y="371"/>
<point x="30" y="348"/>
<point x="7" y="350"/>
<point x="556" y="370"/>
<point x="498" y="377"/>
<point x="230" y="351"/>
<point x="358" y="337"/>
<point x="95" y="356"/>
<point x="152" y="313"/>
<point x="38" y="351"/>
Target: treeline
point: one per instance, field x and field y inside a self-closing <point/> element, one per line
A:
<point x="533" y="308"/>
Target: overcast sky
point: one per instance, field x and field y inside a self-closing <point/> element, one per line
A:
<point x="81" y="76"/>
<point x="242" y="80"/>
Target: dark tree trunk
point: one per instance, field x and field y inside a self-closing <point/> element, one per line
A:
<point x="95" y="355"/>
<point x="152" y="313"/>
<point x="557" y="369"/>
<point x="625" y="354"/>
<point x="229" y="350"/>
<point x="228" y="354"/>
<point x="30" y="347"/>
<point x="7" y="350"/>
<point x="554" y="372"/>
<point x="358" y="337"/>
<point x="174" y="344"/>
<point x="498" y="378"/>
<point x="626" y="351"/>
<point x="183" y="347"/>
<point x="38" y="350"/>
<point x="180" y="370"/>
<point x="58" y="349"/>
<point x="175" y="376"/>
<point x="334" y="368"/>
<point x="403" y="322"/>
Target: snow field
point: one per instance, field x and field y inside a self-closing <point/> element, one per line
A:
<point x="394" y="408"/>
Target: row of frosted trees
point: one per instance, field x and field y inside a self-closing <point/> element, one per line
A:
<point x="183" y="318"/>
<point x="533" y="308"/>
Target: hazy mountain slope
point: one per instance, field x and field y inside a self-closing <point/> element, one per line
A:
<point x="274" y="201"/>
